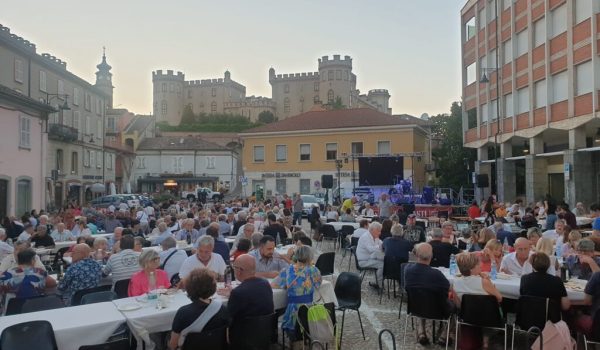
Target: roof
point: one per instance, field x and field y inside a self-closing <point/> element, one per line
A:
<point x="178" y="143"/>
<point x="18" y="98"/>
<point x="220" y="138"/>
<point x="337" y="119"/>
<point x="139" y="124"/>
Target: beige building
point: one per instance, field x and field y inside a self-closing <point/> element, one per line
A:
<point x="292" y="94"/>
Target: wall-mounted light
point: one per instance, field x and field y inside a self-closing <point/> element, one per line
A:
<point x="526" y="147"/>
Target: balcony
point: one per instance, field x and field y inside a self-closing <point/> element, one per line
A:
<point x="63" y="133"/>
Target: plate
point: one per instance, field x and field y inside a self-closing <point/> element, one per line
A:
<point x="503" y="276"/>
<point x="129" y="307"/>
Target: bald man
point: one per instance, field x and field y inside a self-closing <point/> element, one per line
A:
<point x="83" y="273"/>
<point x="253" y="297"/>
<point x="517" y="262"/>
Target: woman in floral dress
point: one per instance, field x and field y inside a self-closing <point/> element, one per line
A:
<point x="300" y="279"/>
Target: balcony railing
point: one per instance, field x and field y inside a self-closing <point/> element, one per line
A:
<point x="62" y="133"/>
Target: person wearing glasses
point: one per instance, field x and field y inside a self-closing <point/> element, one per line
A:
<point x="150" y="277"/>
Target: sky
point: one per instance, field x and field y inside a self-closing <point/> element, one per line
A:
<point x="410" y="47"/>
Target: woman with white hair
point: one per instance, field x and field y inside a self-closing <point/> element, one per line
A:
<point x="150" y="277"/>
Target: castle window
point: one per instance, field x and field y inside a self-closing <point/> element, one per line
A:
<point x="317" y="86"/>
<point x="164" y="87"/>
<point x="214" y="92"/>
<point x="213" y="107"/>
<point x="163" y="108"/>
<point x="338" y="75"/>
<point x="286" y="105"/>
<point x="330" y="75"/>
<point x="286" y="88"/>
<point x="346" y="75"/>
<point x="330" y="96"/>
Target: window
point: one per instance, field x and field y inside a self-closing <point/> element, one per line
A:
<point x="88" y="102"/>
<point x="494" y="109"/>
<point x="508" y="106"/>
<point x="560" y="87"/>
<point x="280" y="186"/>
<point x="76" y="96"/>
<point x="584" y="78"/>
<point x="304" y="151"/>
<point x="583" y="10"/>
<point x="86" y="158"/>
<point x="259" y="154"/>
<point x="61" y="88"/>
<point x="76" y="120"/>
<point x="471" y="73"/>
<point x="330" y="96"/>
<point x="286" y="105"/>
<point x="18" y="70"/>
<point x="286" y="88"/>
<point x="357" y="148"/>
<point x="484" y="113"/>
<point x="59" y="160"/>
<point x="141" y="162"/>
<point x="522" y="42"/>
<point x="42" y="81"/>
<point x="540" y="94"/>
<point x="492" y="57"/>
<point x="559" y="21"/>
<point x="331" y="151"/>
<point x="109" y="161"/>
<point x="23" y="196"/>
<point x="316" y="99"/>
<point x="110" y="124"/>
<point x="213" y="107"/>
<point x="281" y="153"/>
<point x="481" y="18"/>
<point x="74" y="163"/>
<point x="214" y="92"/>
<point x="98" y="106"/>
<point x="92" y="158"/>
<point x="338" y="75"/>
<point x="210" y="162"/>
<point x="539" y="32"/>
<point x="346" y="75"/>
<point x="164" y="87"/>
<point x="177" y="165"/>
<point x="304" y="186"/>
<point x="317" y="86"/>
<point x="99" y="132"/>
<point x="99" y="161"/>
<point x="507" y="49"/>
<point x="470" y="29"/>
<point x="523" y="100"/>
<point x="163" y="107"/>
<point x="330" y="75"/>
<point x="472" y="118"/>
<point x="383" y="147"/>
<point x="24" y="132"/>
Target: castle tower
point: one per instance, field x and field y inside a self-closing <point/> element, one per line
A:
<point x="381" y="97"/>
<point x="168" y="99"/>
<point x="336" y="80"/>
<point x="104" y="79"/>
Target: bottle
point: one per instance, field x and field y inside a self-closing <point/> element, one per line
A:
<point x="227" y="277"/>
<point x="452" y="265"/>
<point x="559" y="252"/>
<point x="60" y="272"/>
<point x="493" y="271"/>
<point x="505" y="246"/>
<point x="152" y="286"/>
<point x="278" y="240"/>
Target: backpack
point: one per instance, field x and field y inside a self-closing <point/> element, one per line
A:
<point x="320" y="326"/>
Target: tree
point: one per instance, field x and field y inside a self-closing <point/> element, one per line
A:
<point x="266" y="117"/>
<point x="188" y="116"/>
<point x="451" y="158"/>
<point x="338" y="104"/>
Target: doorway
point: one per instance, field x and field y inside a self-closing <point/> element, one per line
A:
<point x="556" y="186"/>
<point x="3" y="198"/>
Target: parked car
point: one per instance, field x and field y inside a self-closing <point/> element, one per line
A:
<point x="210" y="194"/>
<point x="309" y="200"/>
<point x="106" y="201"/>
<point x="131" y="199"/>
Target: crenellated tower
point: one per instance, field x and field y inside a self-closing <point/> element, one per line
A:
<point x="168" y="99"/>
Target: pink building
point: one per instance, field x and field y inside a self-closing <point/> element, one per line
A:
<point x="23" y="142"/>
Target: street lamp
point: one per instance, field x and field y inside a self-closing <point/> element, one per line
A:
<point x="339" y="163"/>
<point x="65" y="105"/>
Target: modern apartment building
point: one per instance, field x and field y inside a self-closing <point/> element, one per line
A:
<point x="530" y="90"/>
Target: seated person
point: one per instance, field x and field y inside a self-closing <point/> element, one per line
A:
<point x="533" y="235"/>
<point x="544" y="245"/>
<point x="570" y="246"/>
<point x="200" y="285"/>
<point x="26" y="280"/>
<point x="472" y="281"/>
<point x="541" y="284"/>
<point x="584" y="263"/>
<point x="413" y="232"/>
<point x="171" y="258"/>
<point x="517" y="262"/>
<point x="204" y="258"/>
<point x="41" y="238"/>
<point x="269" y="263"/>
<point x="363" y="228"/>
<point x="502" y="234"/>
<point x="61" y="234"/>
<point x="10" y="261"/>
<point x="220" y="247"/>
<point x="123" y="264"/>
<point x="491" y="252"/>
<point x="369" y="251"/>
<point x="83" y="273"/>
<point x="396" y="245"/>
<point x="347" y="216"/>
<point x="243" y="247"/>
<point x="142" y="281"/>
<point x="441" y="250"/>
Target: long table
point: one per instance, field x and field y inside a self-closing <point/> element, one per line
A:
<point x="509" y="287"/>
<point x="75" y="326"/>
<point x="148" y="319"/>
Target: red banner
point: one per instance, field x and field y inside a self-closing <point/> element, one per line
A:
<point x="426" y="210"/>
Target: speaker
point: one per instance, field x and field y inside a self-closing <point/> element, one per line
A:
<point x="326" y="181"/>
<point x="482" y="181"/>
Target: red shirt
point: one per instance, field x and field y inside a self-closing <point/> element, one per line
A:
<point x="474" y="212"/>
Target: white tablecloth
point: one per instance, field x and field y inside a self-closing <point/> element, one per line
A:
<point x="510" y="288"/>
<point x="75" y="326"/>
<point x="581" y="221"/>
<point x="148" y="319"/>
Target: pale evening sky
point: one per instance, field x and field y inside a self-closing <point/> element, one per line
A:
<point x="410" y="47"/>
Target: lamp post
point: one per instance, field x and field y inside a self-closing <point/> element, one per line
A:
<point x="338" y="165"/>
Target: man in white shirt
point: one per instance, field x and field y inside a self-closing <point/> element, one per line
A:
<point x="26" y="234"/>
<point x="61" y="234"/>
<point x="171" y="258"/>
<point x="559" y="226"/>
<point x="369" y="252"/>
<point x="517" y="263"/>
<point x="10" y="261"/>
<point x="204" y="259"/>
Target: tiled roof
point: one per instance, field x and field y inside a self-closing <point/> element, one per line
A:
<point x="178" y="143"/>
<point x="336" y="119"/>
<point x="140" y="123"/>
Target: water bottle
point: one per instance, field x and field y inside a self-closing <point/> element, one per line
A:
<point x="559" y="252"/>
<point x="452" y="265"/>
<point x="493" y="271"/>
<point x="152" y="286"/>
<point x="505" y="246"/>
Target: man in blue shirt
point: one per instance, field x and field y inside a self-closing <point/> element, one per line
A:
<point x="84" y="273"/>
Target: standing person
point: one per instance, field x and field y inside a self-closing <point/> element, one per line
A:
<point x="385" y="207"/>
<point x="143" y="218"/>
<point x="369" y="251"/>
<point x="298" y="205"/>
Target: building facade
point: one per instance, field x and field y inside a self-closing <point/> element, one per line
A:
<point x="189" y="161"/>
<point x="291" y="155"/>
<point x="75" y="152"/>
<point x="531" y="81"/>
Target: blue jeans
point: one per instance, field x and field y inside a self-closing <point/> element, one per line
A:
<point x="297" y="218"/>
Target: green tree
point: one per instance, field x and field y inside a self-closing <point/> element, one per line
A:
<point x="452" y="159"/>
<point x="266" y="117"/>
<point x="188" y="116"/>
<point x="338" y="104"/>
